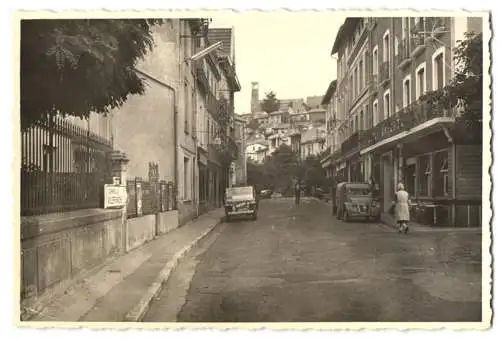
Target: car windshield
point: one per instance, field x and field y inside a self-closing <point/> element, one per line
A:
<point x="358" y="190"/>
<point x="239" y="192"/>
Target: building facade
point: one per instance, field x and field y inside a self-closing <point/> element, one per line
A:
<point x="239" y="173"/>
<point x="257" y="151"/>
<point x="208" y="77"/>
<point x="329" y="101"/>
<point x="313" y="142"/>
<point x="388" y="133"/>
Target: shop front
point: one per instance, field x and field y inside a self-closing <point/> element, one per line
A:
<point x="441" y="177"/>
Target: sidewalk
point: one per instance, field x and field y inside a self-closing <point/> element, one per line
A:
<point x="122" y="289"/>
<point x="388" y="220"/>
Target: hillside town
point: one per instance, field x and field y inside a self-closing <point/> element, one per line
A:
<point x="300" y="124"/>
<point x="149" y="193"/>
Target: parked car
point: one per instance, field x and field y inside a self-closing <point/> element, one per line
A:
<point x="266" y="193"/>
<point x="322" y="194"/>
<point x="241" y="202"/>
<point x="355" y="201"/>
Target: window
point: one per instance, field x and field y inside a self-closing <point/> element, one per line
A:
<point x="407" y="91"/>
<point x="420" y="81"/>
<point x="404" y="27"/>
<point x="386" y="46"/>
<point x="356" y="124"/>
<point x="352" y="89"/>
<point x="368" y="118"/>
<point x="438" y="69"/>
<point x="355" y="85"/>
<point x="425" y="176"/>
<point x="185" y="42"/>
<point x="193" y="113"/>
<point x="361" y="121"/>
<point x="375" y="60"/>
<point x="361" y="75"/>
<point x="375" y="113"/>
<point x="387" y="104"/>
<point x="396" y="46"/>
<point x="442" y="186"/>
<point x="410" y="176"/>
<point x="187" y="177"/>
<point x="186" y="108"/>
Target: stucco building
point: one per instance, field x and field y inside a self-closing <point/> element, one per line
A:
<point x="384" y="67"/>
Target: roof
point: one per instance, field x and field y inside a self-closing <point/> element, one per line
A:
<point x="344" y="31"/>
<point x="261" y="115"/>
<point x="311" y="135"/>
<point x="277" y="113"/>
<point x="285" y="103"/>
<point x="329" y="92"/>
<point x="226" y="36"/>
<point x="256" y="142"/>
<point x="239" y="119"/>
<point x="317" y="110"/>
<point x="313" y="102"/>
<point x="282" y="125"/>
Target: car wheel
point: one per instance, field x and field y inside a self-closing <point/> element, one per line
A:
<point x="346" y="216"/>
<point x="228" y="218"/>
<point x="254" y="216"/>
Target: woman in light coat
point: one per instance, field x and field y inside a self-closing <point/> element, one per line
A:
<point x="402" y="208"/>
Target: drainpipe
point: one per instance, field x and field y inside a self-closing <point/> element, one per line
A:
<point x="176" y="113"/>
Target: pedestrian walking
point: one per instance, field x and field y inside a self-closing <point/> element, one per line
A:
<point x="402" y="208"/>
<point x="297" y="193"/>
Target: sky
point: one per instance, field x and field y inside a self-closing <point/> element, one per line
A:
<point x="286" y="52"/>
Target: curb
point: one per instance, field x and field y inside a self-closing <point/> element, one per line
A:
<point x="139" y="310"/>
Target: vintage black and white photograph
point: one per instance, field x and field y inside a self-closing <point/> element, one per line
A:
<point x="254" y="168"/>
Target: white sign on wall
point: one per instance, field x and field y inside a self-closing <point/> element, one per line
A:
<point x="115" y="196"/>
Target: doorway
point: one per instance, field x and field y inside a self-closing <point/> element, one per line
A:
<point x="388" y="176"/>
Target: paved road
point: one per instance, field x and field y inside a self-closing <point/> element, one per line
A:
<point x="300" y="264"/>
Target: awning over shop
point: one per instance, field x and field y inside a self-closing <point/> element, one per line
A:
<point x="416" y="132"/>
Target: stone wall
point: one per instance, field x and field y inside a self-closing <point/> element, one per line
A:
<point x="140" y="230"/>
<point x="167" y="221"/>
<point x="58" y="250"/>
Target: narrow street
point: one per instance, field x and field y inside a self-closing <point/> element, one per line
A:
<point x="303" y="265"/>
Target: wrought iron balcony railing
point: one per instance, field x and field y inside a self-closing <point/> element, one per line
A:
<point x="404" y="120"/>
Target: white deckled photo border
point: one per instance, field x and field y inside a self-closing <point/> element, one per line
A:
<point x="487" y="209"/>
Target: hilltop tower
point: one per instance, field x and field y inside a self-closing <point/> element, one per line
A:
<point x="254" y="103"/>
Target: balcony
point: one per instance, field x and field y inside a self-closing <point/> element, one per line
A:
<point x="223" y="112"/>
<point x="351" y="145"/>
<point x="437" y="25"/>
<point x="202" y="79"/>
<point x="417" y="45"/>
<point x="404" y="120"/>
<point x="403" y="58"/>
<point x="372" y="83"/>
<point x="385" y="73"/>
<point x="336" y="154"/>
